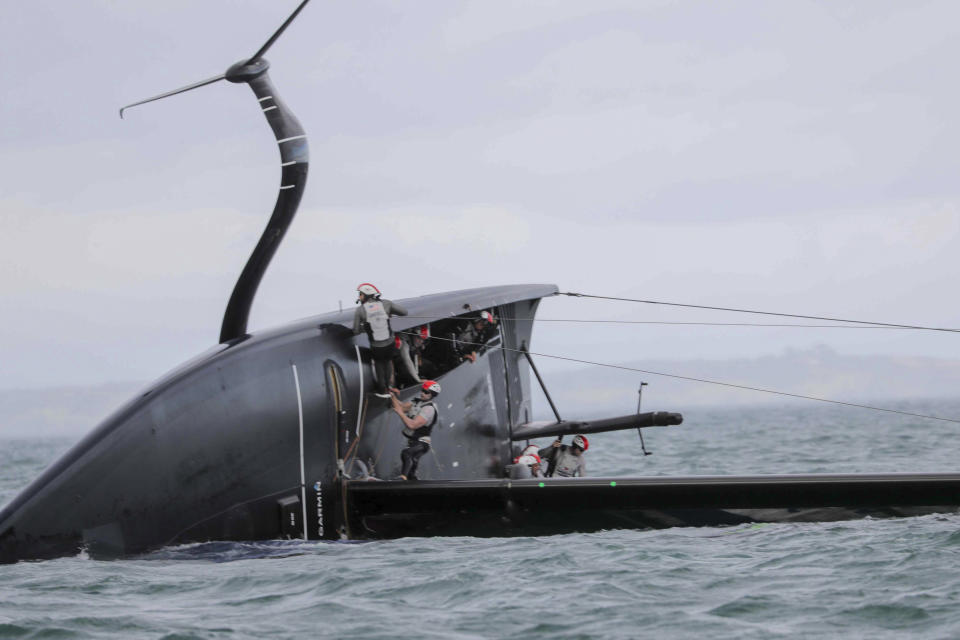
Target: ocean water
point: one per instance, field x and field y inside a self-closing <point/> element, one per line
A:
<point x="865" y="578"/>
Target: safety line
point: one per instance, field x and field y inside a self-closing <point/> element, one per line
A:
<point x="766" y="313"/>
<point x="704" y="380"/>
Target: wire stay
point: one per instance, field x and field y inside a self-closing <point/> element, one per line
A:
<point x="706" y="381"/>
<point x="766" y="313"/>
<point x="699" y="324"/>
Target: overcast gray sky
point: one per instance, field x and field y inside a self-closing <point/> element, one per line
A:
<point x="788" y="156"/>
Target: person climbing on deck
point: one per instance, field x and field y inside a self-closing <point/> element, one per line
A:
<point x="419" y="417"/>
<point x="373" y="317"/>
<point x="566" y="461"/>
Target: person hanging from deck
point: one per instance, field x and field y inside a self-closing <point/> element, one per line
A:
<point x="419" y="417"/>
<point x="373" y="317"/>
<point x="409" y="361"/>
<point x="566" y="461"/>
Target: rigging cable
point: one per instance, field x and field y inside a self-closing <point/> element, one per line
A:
<point x="704" y="380"/>
<point x="700" y="324"/>
<point x="766" y="313"/>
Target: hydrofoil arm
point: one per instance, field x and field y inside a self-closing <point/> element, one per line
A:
<point x="530" y="430"/>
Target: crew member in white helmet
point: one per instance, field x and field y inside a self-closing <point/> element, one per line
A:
<point x="526" y="465"/>
<point x="373" y="317"/>
<point x="419" y="417"/>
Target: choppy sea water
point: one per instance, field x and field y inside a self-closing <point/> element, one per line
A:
<point x="865" y="578"/>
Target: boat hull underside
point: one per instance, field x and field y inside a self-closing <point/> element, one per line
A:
<point x="552" y="506"/>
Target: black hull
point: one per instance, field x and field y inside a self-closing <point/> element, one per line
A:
<point x="246" y="441"/>
<point x="554" y="506"/>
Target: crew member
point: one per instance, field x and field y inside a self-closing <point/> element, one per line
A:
<point x="566" y="461"/>
<point x="487" y="328"/>
<point x="419" y="417"/>
<point x="474" y="335"/>
<point x="410" y="347"/>
<point x="526" y="466"/>
<point x="373" y="317"/>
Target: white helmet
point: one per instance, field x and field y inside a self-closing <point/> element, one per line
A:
<point x="530" y="450"/>
<point x="366" y="289"/>
<point x="487" y="317"/>
<point x="581" y="442"/>
<point x="431" y="386"/>
<point x="529" y="460"/>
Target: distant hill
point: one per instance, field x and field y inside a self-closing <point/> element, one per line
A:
<point x="590" y="391"/>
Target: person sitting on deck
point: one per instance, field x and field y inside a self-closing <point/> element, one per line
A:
<point x="373" y="316"/>
<point x="526" y="466"/>
<point x="566" y="461"/>
<point x="419" y="418"/>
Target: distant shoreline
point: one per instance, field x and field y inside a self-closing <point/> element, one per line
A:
<point x="591" y="391"/>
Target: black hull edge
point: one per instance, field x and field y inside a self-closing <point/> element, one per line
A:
<point x="534" y="507"/>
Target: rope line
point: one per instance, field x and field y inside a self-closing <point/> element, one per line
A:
<point x="707" y="324"/>
<point x="704" y="380"/>
<point x="766" y="313"/>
